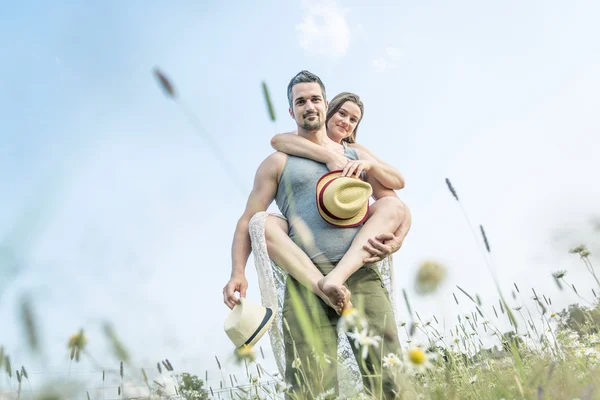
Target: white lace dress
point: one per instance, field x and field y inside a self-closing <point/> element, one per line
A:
<point x="271" y="280"/>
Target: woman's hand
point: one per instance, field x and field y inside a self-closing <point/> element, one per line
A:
<point x="336" y="161"/>
<point x="382" y="246"/>
<point x="356" y="167"/>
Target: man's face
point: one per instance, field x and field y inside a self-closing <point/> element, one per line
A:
<point x="308" y="106"/>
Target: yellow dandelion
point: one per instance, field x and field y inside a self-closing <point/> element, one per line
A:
<point x="552" y="315"/>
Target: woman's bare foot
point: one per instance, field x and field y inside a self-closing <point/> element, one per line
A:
<point x="335" y="292"/>
<point x="348" y="304"/>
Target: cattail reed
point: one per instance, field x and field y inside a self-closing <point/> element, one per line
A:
<point x="485" y="239"/>
<point x="28" y="321"/>
<point x="165" y="83"/>
<point x="7" y="366"/>
<point x="268" y="102"/>
<point x="451" y="189"/>
<point x="479" y="311"/>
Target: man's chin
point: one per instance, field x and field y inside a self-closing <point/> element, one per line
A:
<point x="307" y="126"/>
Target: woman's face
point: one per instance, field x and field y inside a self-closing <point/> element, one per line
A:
<point x="342" y="123"/>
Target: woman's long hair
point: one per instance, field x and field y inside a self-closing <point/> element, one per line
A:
<point x="337" y="102"/>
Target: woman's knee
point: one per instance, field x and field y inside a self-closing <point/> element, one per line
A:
<point x="392" y="206"/>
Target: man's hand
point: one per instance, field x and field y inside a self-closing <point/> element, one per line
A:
<point x="336" y="161"/>
<point x="381" y="247"/>
<point x="236" y="284"/>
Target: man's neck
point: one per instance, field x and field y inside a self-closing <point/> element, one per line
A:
<point x="319" y="136"/>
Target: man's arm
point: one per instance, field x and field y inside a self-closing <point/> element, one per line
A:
<point x="262" y="195"/>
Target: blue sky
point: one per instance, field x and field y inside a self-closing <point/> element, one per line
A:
<point x="116" y="209"/>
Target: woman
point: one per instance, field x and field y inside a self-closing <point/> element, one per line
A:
<point x="344" y="114"/>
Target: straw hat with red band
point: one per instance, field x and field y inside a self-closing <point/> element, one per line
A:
<point x="343" y="201"/>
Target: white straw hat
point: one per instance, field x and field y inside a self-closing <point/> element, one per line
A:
<point x="248" y="322"/>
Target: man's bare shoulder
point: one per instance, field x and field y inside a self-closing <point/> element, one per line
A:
<point x="273" y="164"/>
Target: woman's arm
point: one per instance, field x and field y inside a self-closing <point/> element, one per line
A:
<point x="292" y="144"/>
<point x="387" y="175"/>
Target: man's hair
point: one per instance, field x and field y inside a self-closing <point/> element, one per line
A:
<point x="304" y="76"/>
<point x="337" y="102"/>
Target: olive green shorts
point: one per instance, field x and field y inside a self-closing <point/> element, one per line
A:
<point x="311" y="337"/>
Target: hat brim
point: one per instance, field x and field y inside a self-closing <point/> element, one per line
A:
<point x="264" y="327"/>
<point x="357" y="220"/>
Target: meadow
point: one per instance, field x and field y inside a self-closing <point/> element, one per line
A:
<point x="543" y="355"/>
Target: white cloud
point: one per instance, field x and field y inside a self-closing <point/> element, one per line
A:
<point x="324" y="30"/>
<point x="380" y="64"/>
<point x="394" y="53"/>
<point x="389" y="60"/>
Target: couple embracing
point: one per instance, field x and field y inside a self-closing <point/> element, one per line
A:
<point x="329" y="240"/>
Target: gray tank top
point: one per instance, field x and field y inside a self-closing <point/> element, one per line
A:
<point x="296" y="196"/>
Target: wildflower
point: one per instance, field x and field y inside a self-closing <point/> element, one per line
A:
<point x="363" y="341"/>
<point x="585" y="253"/>
<point x="77" y="341"/>
<point x="417" y="356"/>
<point x="245" y="353"/>
<point x="429" y="277"/>
<point x="559" y="274"/>
<point x="351" y="318"/>
<point x="390" y="361"/>
<point x="296" y="363"/>
<point x="553" y="315"/>
<point x="283" y="387"/>
<point x="416" y="360"/>
<point x="325" y="395"/>
<point x="579" y="249"/>
<point x="76" y="344"/>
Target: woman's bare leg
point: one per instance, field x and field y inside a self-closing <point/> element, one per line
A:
<point x="399" y="236"/>
<point x="293" y="260"/>
<point x="387" y="216"/>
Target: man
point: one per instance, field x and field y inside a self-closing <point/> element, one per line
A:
<point x="310" y="322"/>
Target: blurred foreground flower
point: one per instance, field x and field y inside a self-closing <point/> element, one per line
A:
<point x="363" y="341"/>
<point x="429" y="276"/>
<point x="76" y="344"/>
<point x="391" y="361"/>
<point x="245" y="353"/>
<point x="417" y="360"/>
